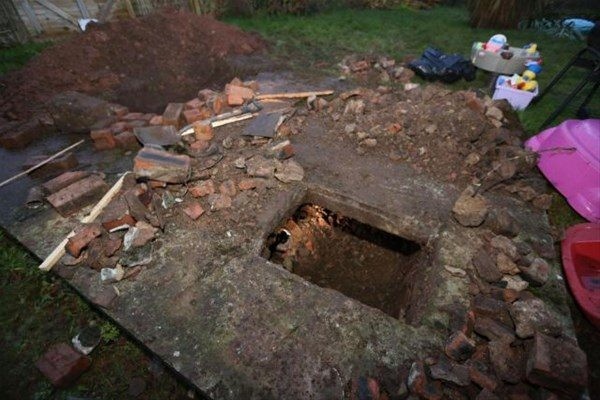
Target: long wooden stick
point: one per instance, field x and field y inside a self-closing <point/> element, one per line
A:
<point x="41" y="164"/>
<point x="297" y="95"/>
<point x="59" y="251"/>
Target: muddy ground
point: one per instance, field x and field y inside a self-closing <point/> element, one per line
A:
<point x="141" y="63"/>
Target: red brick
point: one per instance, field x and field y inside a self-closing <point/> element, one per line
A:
<point x="508" y="361"/>
<point x="557" y="365"/>
<point x="137" y="123"/>
<point x="203" y="131"/>
<point x="194" y="103"/>
<point x="16" y="136"/>
<point x="62" y="365"/>
<point x="157" y="120"/>
<point x="60" y="164"/>
<point x="192" y="115"/>
<point x="116" y="215"/>
<point x="194" y="210"/>
<point x="63" y="180"/>
<point x="234" y="100"/>
<point x="127" y="140"/>
<point x="248" y="184"/>
<point x="77" y="195"/>
<point x="118" y="127"/>
<point x="161" y="165"/>
<point x="217" y="103"/>
<point x="206" y="94"/>
<point x="173" y="114"/>
<point x="103" y="139"/>
<point x="82" y="238"/>
<point x="119" y="111"/>
<point x="283" y="150"/>
<point x="494" y="330"/>
<point x="489" y="307"/>
<point x="132" y="116"/>
<point x="483" y="379"/>
<point x="459" y="347"/>
<point x="421" y="385"/>
<point x="204" y="188"/>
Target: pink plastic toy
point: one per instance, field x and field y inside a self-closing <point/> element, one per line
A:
<point x="570" y="159"/>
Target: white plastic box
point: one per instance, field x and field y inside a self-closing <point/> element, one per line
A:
<point x="493" y="62"/>
<point x="518" y="99"/>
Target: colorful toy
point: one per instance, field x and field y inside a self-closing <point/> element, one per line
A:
<point x="496" y="43"/>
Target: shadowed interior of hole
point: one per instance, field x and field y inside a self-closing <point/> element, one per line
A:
<point x="341" y="253"/>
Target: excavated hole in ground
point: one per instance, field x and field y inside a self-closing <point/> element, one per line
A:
<point x="362" y="262"/>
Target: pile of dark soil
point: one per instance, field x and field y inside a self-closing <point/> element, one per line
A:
<point x="142" y="63"/>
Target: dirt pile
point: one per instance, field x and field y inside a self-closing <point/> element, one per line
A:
<point x="141" y="63"/>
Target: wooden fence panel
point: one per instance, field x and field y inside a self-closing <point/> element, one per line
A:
<point x="12" y="29"/>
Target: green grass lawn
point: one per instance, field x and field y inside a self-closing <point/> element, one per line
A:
<point x="37" y="310"/>
<point x="328" y="37"/>
<point x="14" y="57"/>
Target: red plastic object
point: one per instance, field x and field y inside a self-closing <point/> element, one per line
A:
<point x="581" y="262"/>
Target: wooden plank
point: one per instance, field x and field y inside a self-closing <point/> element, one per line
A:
<point x="83" y="8"/>
<point x="59" y="251"/>
<point x="46" y="161"/>
<point x="31" y="16"/>
<point x="58" y="11"/>
<point x="104" y="12"/>
<point x="298" y="95"/>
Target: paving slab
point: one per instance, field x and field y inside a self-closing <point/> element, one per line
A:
<point x="239" y="326"/>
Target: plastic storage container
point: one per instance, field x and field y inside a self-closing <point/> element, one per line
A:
<point x="493" y="62"/>
<point x="518" y="99"/>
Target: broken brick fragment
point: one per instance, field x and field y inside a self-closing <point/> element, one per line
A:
<point x="77" y="195"/>
<point x="160" y="165"/>
<point x="420" y="384"/>
<point x="238" y="91"/>
<point x="117" y="215"/>
<point x="192" y="115"/>
<point x="118" y="127"/>
<point x="204" y="188"/>
<point x="103" y="139"/>
<point x="194" y="210"/>
<point x="127" y="140"/>
<point x="132" y="116"/>
<point x="558" y="365"/>
<point x="83" y="237"/>
<point x="156" y="120"/>
<point x="16" y="136"/>
<point x="228" y="188"/>
<point x="248" y="184"/>
<point x="62" y="365"/>
<point x="203" y="131"/>
<point x="459" y="347"/>
<point x="63" y="180"/>
<point x="173" y="114"/>
<point x="283" y="150"/>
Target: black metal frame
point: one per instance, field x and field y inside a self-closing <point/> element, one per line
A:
<point x="588" y="58"/>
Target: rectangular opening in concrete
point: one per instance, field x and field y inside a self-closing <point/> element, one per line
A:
<point x="341" y="253"/>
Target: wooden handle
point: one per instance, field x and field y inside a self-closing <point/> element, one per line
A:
<point x="41" y="164"/>
<point x="297" y="95"/>
<point x="59" y="250"/>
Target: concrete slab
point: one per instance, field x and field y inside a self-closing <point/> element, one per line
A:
<point x="238" y="326"/>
